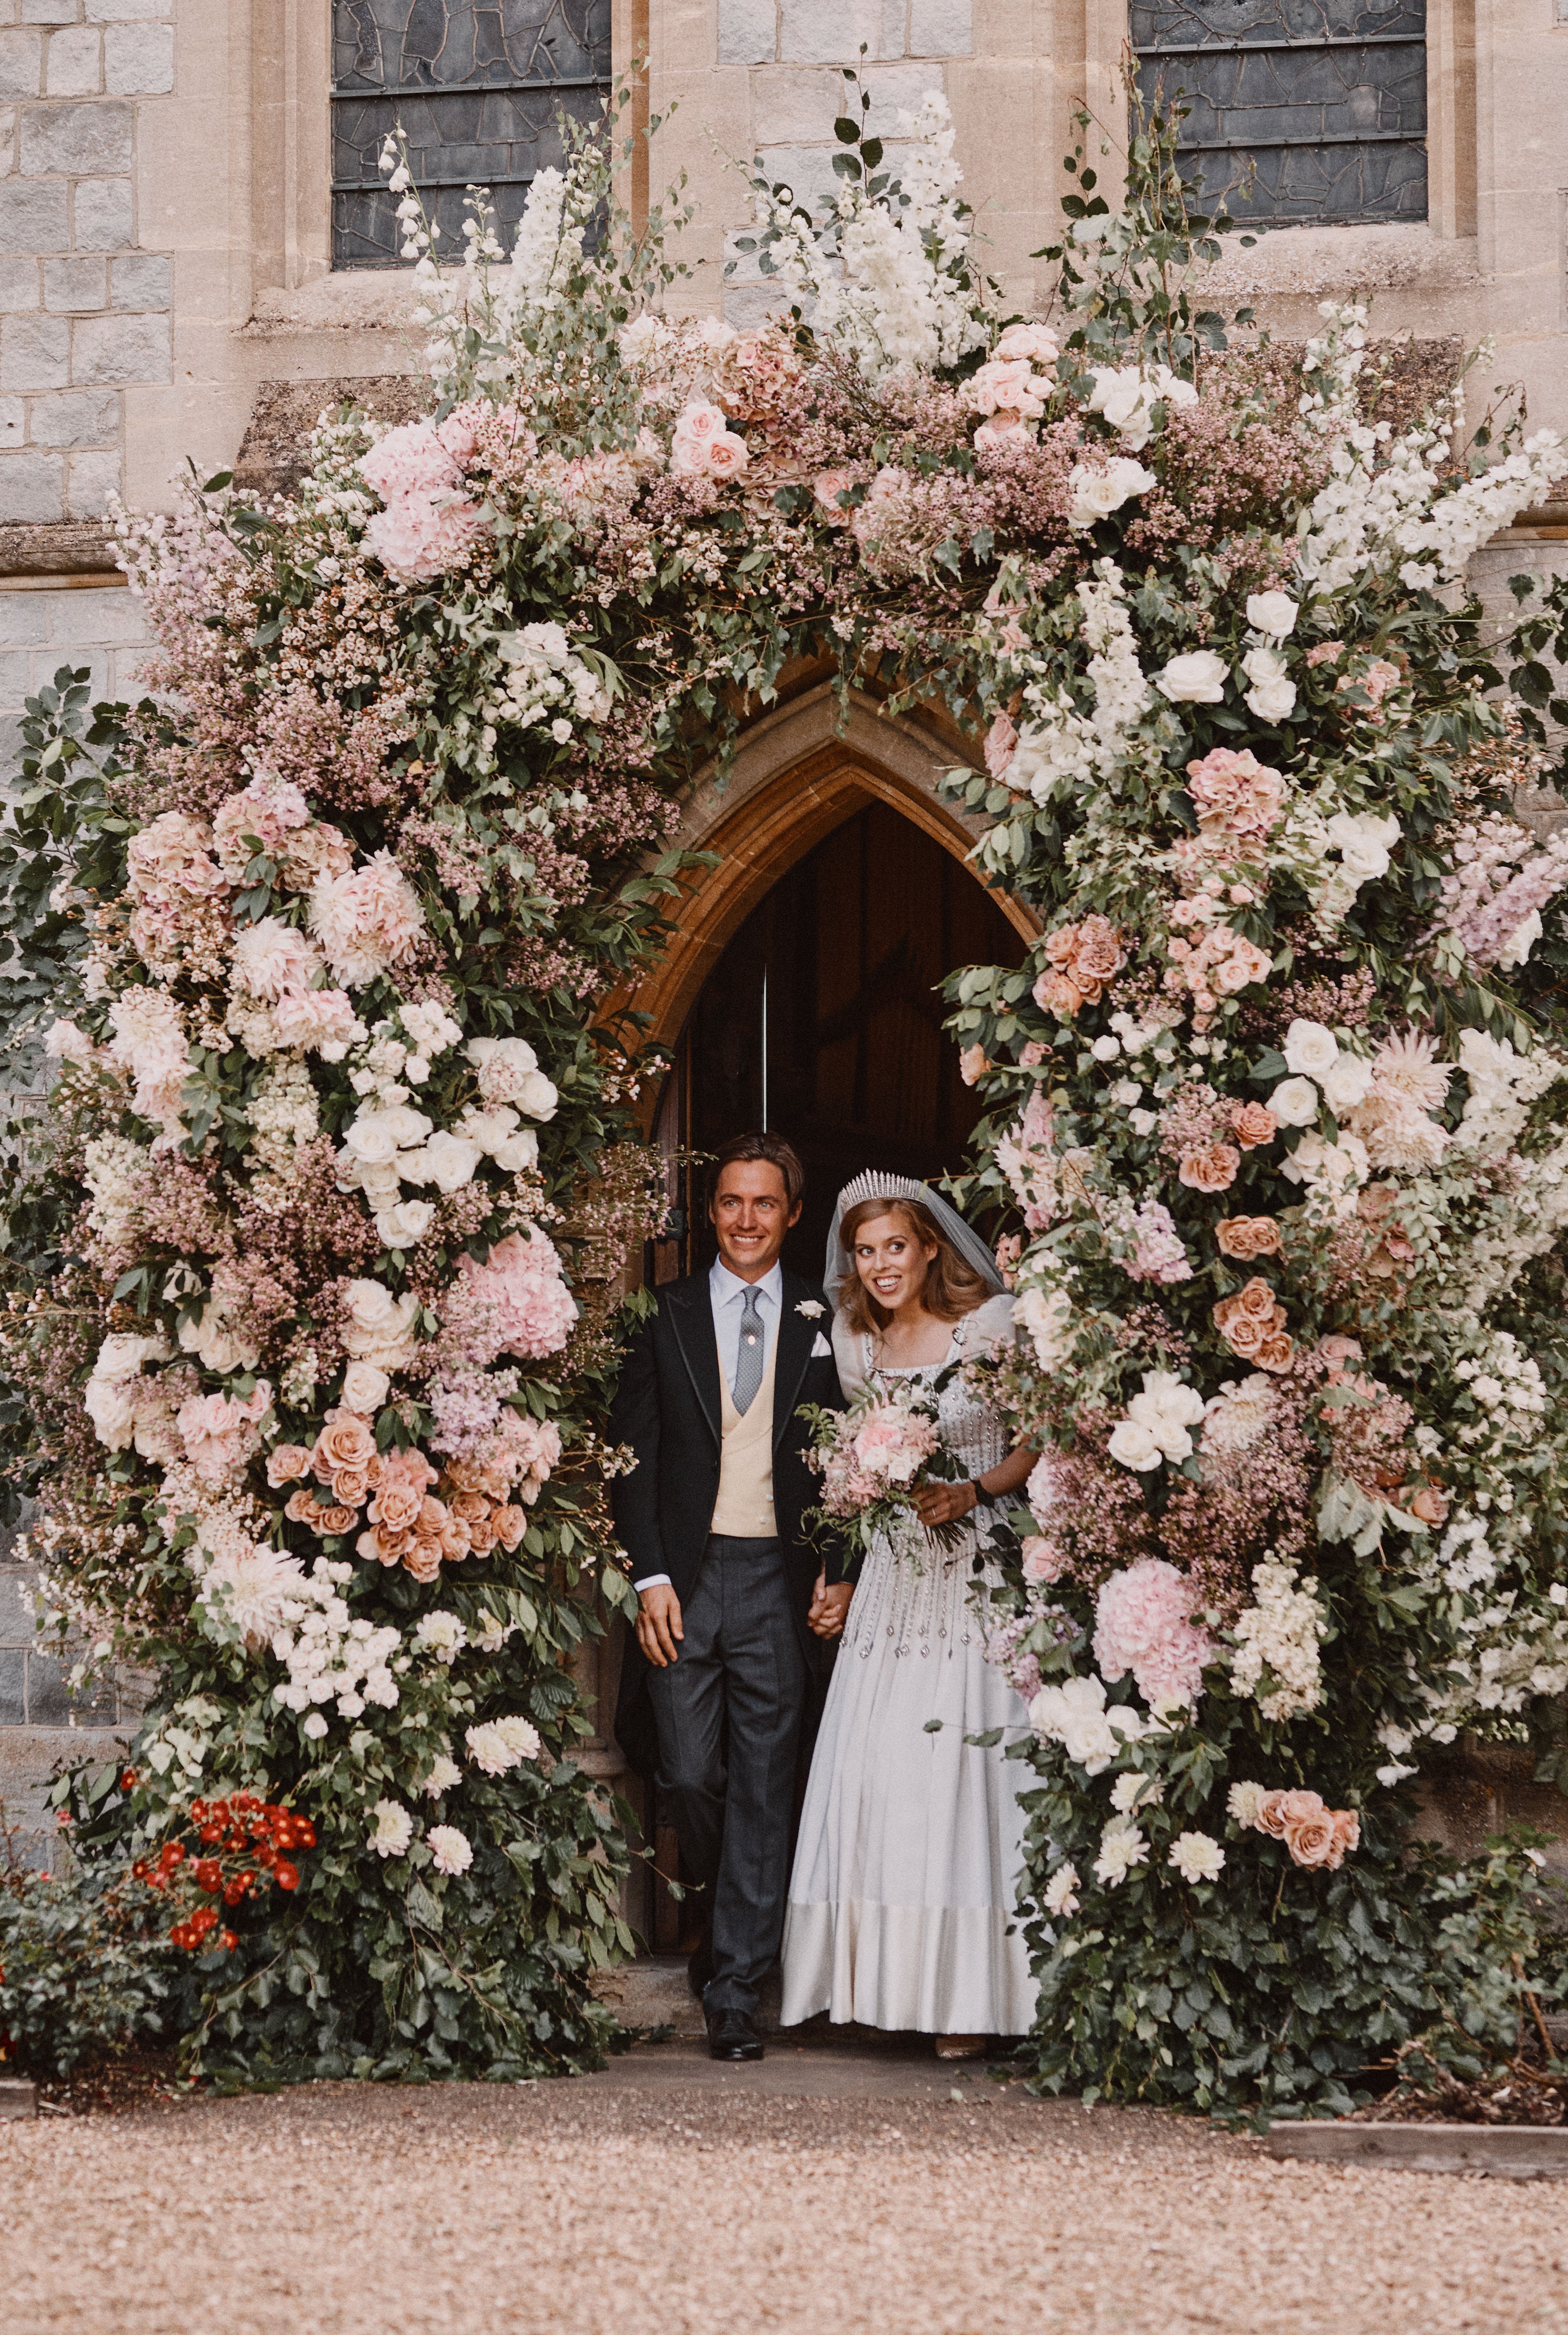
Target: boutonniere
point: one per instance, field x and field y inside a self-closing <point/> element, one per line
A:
<point x="811" y="1307"/>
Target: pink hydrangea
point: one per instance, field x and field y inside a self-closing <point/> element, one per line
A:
<point x="270" y="809"/>
<point x="222" y="1435"/>
<point x="429" y="524"/>
<point x="319" y="1020"/>
<point x="171" y="854"/>
<point x="366" y="921"/>
<point x="516" y="1303"/>
<point x="1141" y="1624"/>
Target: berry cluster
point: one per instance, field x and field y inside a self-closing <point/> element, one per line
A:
<point x="240" y="1844"/>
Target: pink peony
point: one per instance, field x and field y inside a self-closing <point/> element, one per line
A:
<point x="1142" y="1625"/>
<point x="219" y="1434"/>
<point x="317" y="1018"/>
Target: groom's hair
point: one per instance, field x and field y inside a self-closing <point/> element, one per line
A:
<point x="772" y="1148"/>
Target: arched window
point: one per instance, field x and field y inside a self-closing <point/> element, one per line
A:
<point x="476" y="85"/>
<point x="1303" y="112"/>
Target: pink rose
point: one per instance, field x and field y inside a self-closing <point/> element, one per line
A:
<point x="826" y="487"/>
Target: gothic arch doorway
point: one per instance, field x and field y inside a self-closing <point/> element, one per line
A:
<point x="822" y="1018"/>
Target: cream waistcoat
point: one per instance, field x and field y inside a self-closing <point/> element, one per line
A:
<point x="744" y="1507"/>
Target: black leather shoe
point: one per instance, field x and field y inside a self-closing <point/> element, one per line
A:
<point x="732" y="2035"/>
<point x="700" y="1967"/>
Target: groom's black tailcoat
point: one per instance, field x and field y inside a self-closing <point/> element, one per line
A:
<point x="723" y="1725"/>
<point x="668" y="1409"/>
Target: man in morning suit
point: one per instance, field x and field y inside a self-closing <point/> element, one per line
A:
<point x="727" y="1588"/>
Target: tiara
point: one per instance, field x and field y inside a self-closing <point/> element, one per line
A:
<point x="875" y="1186"/>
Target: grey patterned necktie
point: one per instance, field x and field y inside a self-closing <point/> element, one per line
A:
<point x="749" y="1362"/>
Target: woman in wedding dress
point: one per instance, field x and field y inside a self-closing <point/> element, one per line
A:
<point x="901" y="1903"/>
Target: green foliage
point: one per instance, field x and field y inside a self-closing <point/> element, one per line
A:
<point x="83" y="1968"/>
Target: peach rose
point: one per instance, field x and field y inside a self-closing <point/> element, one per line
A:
<point x="1213" y="1170"/>
<point x="1279" y="1809"/>
<point x="482" y="1534"/>
<point x="1311" y="1838"/>
<point x="1100" y="954"/>
<point x="286" y="1463"/>
<point x="1252" y="1124"/>
<point x="1277" y="1354"/>
<point x="422" y="1557"/>
<point x="346" y="1440"/>
<point x="396" y="1506"/>
<point x="335" y="1520"/>
<point x="1059" y="993"/>
<point x="1245" y="1237"/>
<point x="352" y="1485"/>
<point x="510" y="1523"/>
<point x="1430" y="1504"/>
<point x="378" y="1546"/>
<point x="1346" y="1837"/>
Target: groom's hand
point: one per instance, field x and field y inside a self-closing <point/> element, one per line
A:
<point x="659" y="1624"/>
<point x="828" y="1607"/>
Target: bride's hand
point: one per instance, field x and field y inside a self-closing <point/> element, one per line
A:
<point x="830" y="1606"/>
<point x="945" y="1503"/>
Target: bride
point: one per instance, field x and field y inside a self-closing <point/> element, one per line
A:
<point x="901" y="1904"/>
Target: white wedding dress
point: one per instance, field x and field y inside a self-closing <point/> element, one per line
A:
<point x="901" y="1903"/>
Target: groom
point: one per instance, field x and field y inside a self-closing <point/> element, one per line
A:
<point x="729" y="1590"/>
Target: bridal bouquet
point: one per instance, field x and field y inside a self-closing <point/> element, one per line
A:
<point x="873" y="1458"/>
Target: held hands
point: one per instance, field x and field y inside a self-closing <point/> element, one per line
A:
<point x="659" y="1624"/>
<point x="945" y="1503"/>
<point x="829" y="1607"/>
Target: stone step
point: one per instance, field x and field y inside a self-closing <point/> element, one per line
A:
<point x="1506" y="2152"/>
<point x="17" y="2097"/>
<point x="653" y="1991"/>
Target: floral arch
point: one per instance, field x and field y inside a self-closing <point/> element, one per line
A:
<point x="316" y="1252"/>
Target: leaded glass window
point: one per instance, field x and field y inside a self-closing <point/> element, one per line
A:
<point x="1303" y="112"/>
<point x="476" y="85"/>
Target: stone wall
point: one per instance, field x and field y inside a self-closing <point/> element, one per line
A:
<point x="45" y="623"/>
<point x="85" y="296"/>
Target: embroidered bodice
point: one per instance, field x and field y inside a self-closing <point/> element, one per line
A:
<point x="975" y="1432"/>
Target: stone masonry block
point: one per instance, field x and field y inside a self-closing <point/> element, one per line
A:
<point x="941" y="28"/>
<point x="809" y="169"/>
<point x="32" y="485"/>
<point x="94" y="478"/>
<point x="105" y="214"/>
<point x="73" y="286"/>
<point x="51" y="1703"/>
<point x="795" y="104"/>
<point x="20" y="62"/>
<point x="109" y="618"/>
<point x="118" y="349"/>
<point x="898" y="87"/>
<point x="35" y="352"/>
<point x="33" y="218"/>
<point x="15" y="676"/>
<point x="23" y="623"/>
<point x="13" y="421"/>
<point x="78" y="417"/>
<point x="831" y="32"/>
<point x="125" y="11"/>
<point x="138" y="60"/>
<point x="49" y="11"/>
<point x="74" y="68"/>
<point x="140" y="281"/>
<point x="75" y="140"/>
<point x="13" y="1659"/>
<point x="18" y="283"/>
<point x="748" y="32"/>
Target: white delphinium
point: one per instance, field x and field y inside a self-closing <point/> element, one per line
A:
<point x="329" y="1655"/>
<point x="1503" y="1085"/>
<point x="1281" y="1633"/>
<point x="1121" y="1848"/>
<point x="1197" y="1856"/>
<point x="393" y="1830"/>
<point x="547" y="248"/>
<point x="1127" y="397"/>
<point x="1508" y="1388"/>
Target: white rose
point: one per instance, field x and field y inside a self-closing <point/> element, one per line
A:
<point x="1273" y="701"/>
<point x="1134" y="1445"/>
<point x="1096" y="493"/>
<point x="1347" y="1083"/>
<point x="372" y="1138"/>
<point x="1088" y="1737"/>
<point x="1274" y="613"/>
<point x="119" y="1356"/>
<point x="536" y="1095"/>
<point x="364" y="1388"/>
<point x="1310" y="1050"/>
<point x="448" y="1161"/>
<point x="1294" y="1102"/>
<point x="1143" y="1122"/>
<point x="487" y="1129"/>
<point x="1046" y="1314"/>
<point x="382" y="1182"/>
<point x="1196" y="679"/>
<point x="1364" y="843"/>
<point x="518" y="1153"/>
<point x="380" y="1326"/>
<point x="403" y="1226"/>
<point x="1106" y="1049"/>
<point x="315" y="1726"/>
<point x="111" y="1405"/>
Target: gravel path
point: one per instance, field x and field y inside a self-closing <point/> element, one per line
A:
<point x="665" y="2198"/>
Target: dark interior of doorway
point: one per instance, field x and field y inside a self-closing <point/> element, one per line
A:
<point x="823" y="1020"/>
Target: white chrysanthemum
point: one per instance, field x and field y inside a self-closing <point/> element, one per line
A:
<point x="501" y="1744"/>
<point x="1134" y="1790"/>
<point x="452" y="1851"/>
<point x="1243" y="1802"/>
<point x="444" y="1773"/>
<point x="1239" y="1414"/>
<point x="252" y="1587"/>
<point x="394" y="1829"/>
<point x="1121" y="1848"/>
<point x="1060" y="1899"/>
<point x="1197" y="1856"/>
<point x="441" y="1633"/>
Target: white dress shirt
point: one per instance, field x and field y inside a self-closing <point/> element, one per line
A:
<point x="727" y="1294"/>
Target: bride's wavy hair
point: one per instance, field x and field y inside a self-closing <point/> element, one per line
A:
<point x="952" y="1287"/>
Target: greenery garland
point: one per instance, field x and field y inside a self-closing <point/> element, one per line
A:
<point x="316" y="1237"/>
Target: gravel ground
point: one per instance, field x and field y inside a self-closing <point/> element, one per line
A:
<point x="655" y="2200"/>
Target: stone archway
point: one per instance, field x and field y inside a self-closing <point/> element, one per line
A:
<point x="800" y="771"/>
